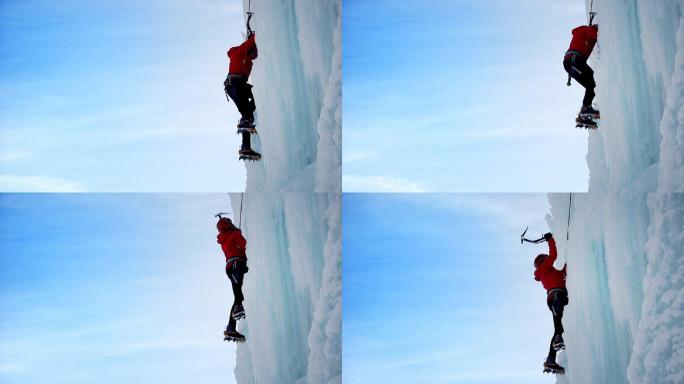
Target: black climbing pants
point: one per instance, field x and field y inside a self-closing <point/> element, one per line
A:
<point x="556" y="300"/>
<point x="241" y="93"/>
<point x="576" y="66"/>
<point x="236" y="269"/>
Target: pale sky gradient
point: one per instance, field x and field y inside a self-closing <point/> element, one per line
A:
<point x="461" y="96"/>
<point x="438" y="289"/>
<point x="118" y="96"/>
<point x="124" y="288"/>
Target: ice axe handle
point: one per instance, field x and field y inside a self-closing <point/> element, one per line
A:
<point x="569" y="78"/>
<point x="522" y="237"/>
<point x="249" y="28"/>
<point x="536" y="241"/>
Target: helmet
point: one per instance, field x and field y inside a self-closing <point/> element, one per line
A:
<point x="224" y="225"/>
<point x="539" y="259"/>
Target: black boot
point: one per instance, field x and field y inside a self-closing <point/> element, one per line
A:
<point x="585" y="122"/>
<point x="233" y="335"/>
<point x="590" y="112"/>
<point x="249" y="154"/>
<point x="246" y="122"/>
<point x="558" y="343"/>
<point x="238" y="312"/>
<point x="550" y="366"/>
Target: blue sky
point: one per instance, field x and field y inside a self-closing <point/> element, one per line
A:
<point x="457" y="95"/>
<point x="112" y="288"/>
<point x="437" y="288"/>
<point x="118" y="96"/>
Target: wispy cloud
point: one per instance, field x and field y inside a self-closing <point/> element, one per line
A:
<point x="13" y="156"/>
<point x="102" y="100"/>
<point x="6" y="368"/>
<point x="379" y="184"/>
<point x="358" y="156"/>
<point x="467" y="112"/>
<point x="465" y="268"/>
<point x="12" y="183"/>
<point x="70" y="317"/>
<point x="514" y="211"/>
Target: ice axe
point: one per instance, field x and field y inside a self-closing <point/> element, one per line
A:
<point x="221" y="213"/>
<point x="249" y="28"/>
<point x="523" y="239"/>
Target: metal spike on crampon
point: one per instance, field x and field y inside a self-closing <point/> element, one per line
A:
<point x="581" y="124"/>
<point x="554" y="368"/>
<point x="250" y="130"/>
<point x="249" y="155"/>
<point x="234" y="336"/>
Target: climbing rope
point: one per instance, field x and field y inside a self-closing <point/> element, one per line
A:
<point x="523" y="239"/>
<point x="242" y="196"/>
<point x="567" y="233"/>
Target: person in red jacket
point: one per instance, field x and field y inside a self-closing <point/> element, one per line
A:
<point x="553" y="280"/>
<point x="240" y="91"/>
<point x="234" y="247"/>
<point x="575" y="63"/>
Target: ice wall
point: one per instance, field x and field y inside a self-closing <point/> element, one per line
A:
<point x="625" y="255"/>
<point x="639" y="70"/>
<point x="297" y="88"/>
<point x="291" y="212"/>
<point x="293" y="289"/>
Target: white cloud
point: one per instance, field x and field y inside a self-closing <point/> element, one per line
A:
<point x="379" y="184"/>
<point x="12" y="156"/>
<point x="358" y="156"/>
<point x="12" y="183"/>
<point x="11" y="368"/>
<point x="513" y="211"/>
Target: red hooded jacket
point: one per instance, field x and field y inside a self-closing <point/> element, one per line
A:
<point x="232" y="243"/>
<point x="583" y="39"/>
<point x="240" y="62"/>
<point x="549" y="276"/>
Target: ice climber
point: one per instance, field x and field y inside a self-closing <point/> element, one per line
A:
<point x="234" y="246"/>
<point x="575" y="62"/>
<point x="553" y="281"/>
<point x="240" y="91"/>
